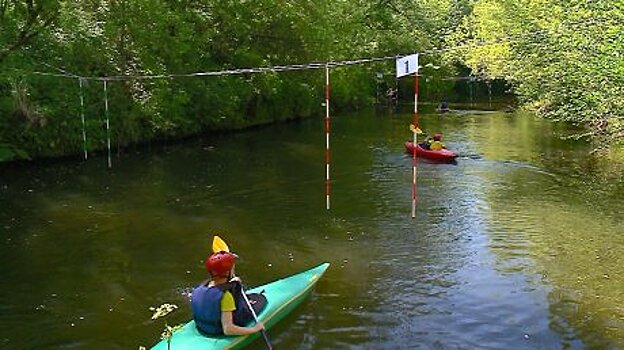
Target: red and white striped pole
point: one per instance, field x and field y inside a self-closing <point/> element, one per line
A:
<point x="108" y="140"/>
<point x="327" y="150"/>
<point x="416" y="129"/>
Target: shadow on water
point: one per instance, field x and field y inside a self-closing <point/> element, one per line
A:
<point x="516" y="245"/>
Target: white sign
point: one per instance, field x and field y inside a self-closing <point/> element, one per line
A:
<point x="406" y="65"/>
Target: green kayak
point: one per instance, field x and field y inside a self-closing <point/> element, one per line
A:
<point x="282" y="297"/>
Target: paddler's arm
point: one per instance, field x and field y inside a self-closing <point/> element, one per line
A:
<point x="229" y="328"/>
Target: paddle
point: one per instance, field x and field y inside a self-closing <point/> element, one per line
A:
<point x="415" y="129"/>
<point x="219" y="245"/>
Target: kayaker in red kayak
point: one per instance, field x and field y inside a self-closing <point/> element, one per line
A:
<point x="433" y="143"/>
<point x="218" y="305"/>
<point x="437" y="142"/>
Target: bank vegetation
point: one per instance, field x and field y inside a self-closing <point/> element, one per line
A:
<point x="563" y="60"/>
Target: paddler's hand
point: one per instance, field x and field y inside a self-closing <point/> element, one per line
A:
<point x="236" y="279"/>
<point x="258" y="326"/>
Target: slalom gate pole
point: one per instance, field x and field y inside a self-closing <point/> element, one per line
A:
<point x="327" y="149"/>
<point x="108" y="143"/>
<point x="82" y="116"/>
<point x="414" y="159"/>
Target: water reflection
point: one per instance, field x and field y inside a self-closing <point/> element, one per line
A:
<point x="516" y="246"/>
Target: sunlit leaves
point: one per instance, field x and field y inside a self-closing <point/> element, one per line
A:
<point x="22" y="21"/>
<point x="131" y="39"/>
<point x="565" y="59"/>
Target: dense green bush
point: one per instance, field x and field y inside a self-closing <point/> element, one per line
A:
<point x="564" y="59"/>
<point x="129" y="40"/>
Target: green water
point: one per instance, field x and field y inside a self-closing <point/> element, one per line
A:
<point x="517" y="246"/>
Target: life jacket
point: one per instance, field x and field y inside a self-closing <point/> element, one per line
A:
<point x="436" y="145"/>
<point x="206" y="307"/>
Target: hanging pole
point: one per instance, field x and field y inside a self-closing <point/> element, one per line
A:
<point x="489" y="85"/>
<point x="82" y="116"/>
<point x="414" y="159"/>
<point x="470" y="81"/>
<point x="108" y="143"/>
<point x="395" y="102"/>
<point x="327" y="149"/>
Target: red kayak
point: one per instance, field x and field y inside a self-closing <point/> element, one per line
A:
<point x="439" y="155"/>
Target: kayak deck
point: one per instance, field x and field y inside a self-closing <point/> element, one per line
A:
<point x="440" y="155"/>
<point x="282" y="297"/>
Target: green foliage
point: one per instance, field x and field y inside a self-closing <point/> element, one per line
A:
<point x="9" y="152"/>
<point x="564" y="59"/>
<point x="42" y="114"/>
<point x="23" y="21"/>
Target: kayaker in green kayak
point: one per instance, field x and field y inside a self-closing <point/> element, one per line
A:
<point x="218" y="305"/>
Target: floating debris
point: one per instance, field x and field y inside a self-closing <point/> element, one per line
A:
<point x="168" y="332"/>
<point x="163" y="310"/>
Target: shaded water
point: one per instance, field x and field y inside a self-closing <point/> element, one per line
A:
<point x="519" y="245"/>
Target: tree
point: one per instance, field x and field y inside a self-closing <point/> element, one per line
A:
<point x="22" y="21"/>
<point x="565" y="60"/>
<point x="133" y="39"/>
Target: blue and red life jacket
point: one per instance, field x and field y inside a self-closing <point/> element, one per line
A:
<point x="206" y="307"/>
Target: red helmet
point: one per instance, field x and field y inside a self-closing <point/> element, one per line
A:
<point x="219" y="264"/>
<point x="437" y="136"/>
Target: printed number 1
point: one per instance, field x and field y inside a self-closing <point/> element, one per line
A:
<point x="406" y="66"/>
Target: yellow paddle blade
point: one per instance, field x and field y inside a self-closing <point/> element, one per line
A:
<point x="415" y="130"/>
<point x="219" y="245"/>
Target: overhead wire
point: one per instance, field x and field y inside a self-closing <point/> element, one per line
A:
<point x="322" y="65"/>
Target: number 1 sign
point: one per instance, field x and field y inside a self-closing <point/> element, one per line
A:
<point x="406" y="65"/>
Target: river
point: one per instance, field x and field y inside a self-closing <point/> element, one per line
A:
<point x="519" y="245"/>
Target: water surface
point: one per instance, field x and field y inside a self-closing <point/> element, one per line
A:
<point x="518" y="245"/>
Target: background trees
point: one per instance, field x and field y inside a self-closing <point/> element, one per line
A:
<point x="566" y="60"/>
